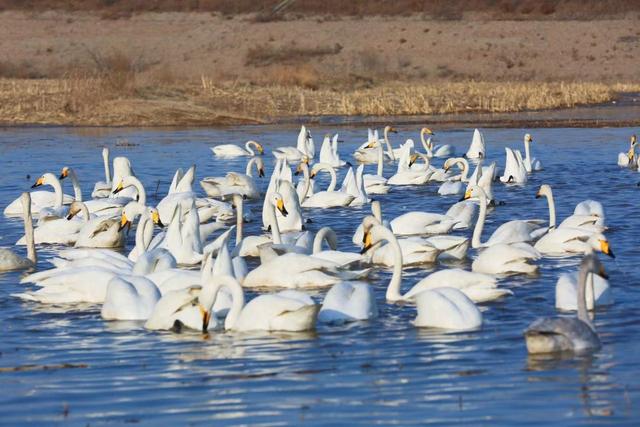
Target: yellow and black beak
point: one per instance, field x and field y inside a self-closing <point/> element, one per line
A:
<point x="428" y="131"/>
<point x="119" y="188"/>
<point x="367" y="242"/>
<point x="604" y="247"/>
<point x="155" y="217"/>
<point x="467" y="195"/>
<point x="124" y="222"/>
<point x="313" y="174"/>
<point x="260" y="149"/>
<point x="64" y="173"/>
<point x="206" y="318"/>
<point x="530" y="139"/>
<point x="260" y="172"/>
<point x="393" y="130"/>
<point x="298" y="170"/>
<point x="412" y="159"/>
<point x="39" y="182"/>
<point x="538" y="195"/>
<point x="281" y="208"/>
<point x="71" y="215"/>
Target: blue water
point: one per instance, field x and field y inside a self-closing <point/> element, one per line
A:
<point x="385" y="371"/>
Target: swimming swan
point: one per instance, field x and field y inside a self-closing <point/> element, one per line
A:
<point x="477" y="148"/>
<point x="50" y="203"/>
<point x="574" y="334"/>
<point x="232" y="150"/>
<point x="235" y="183"/>
<point x="9" y="260"/>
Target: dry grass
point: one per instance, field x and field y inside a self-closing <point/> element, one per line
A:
<point x="94" y="101"/>
<point x="263" y="55"/>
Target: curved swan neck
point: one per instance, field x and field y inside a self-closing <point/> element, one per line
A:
<point x="376" y="210"/>
<point x="28" y="228"/>
<point x="380" y="160"/>
<point x="85" y="211"/>
<point x="273" y="221"/>
<point x="582" y="298"/>
<point x="426" y="143"/>
<point x="388" y="144"/>
<point x="237" y="298"/>
<point x="465" y="169"/>
<point x="252" y="161"/>
<point x="248" y="146"/>
<point x="144" y="232"/>
<point x="142" y="194"/>
<point x="334" y="179"/>
<point x="477" y="231"/>
<point x="527" y="149"/>
<point x="306" y="181"/>
<point x="324" y="234"/>
<point x="237" y="199"/>
<point x="393" y="289"/>
<point x="105" y="161"/>
<point x="552" y="208"/>
<point x="77" y="191"/>
<point x="54" y="182"/>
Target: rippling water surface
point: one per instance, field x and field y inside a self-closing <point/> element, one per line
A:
<point x="385" y="370"/>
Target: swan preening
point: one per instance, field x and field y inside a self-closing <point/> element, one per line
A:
<point x="628" y="159"/>
<point x="187" y="272"/>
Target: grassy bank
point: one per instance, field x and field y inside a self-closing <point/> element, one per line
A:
<point x="120" y="100"/>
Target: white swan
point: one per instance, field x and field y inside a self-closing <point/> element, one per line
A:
<point x="329" y="152"/>
<point x="50" y="203"/>
<point x="122" y="169"/>
<point x="566" y="241"/>
<point x="9" y="260"/>
<point x="330" y="197"/>
<point x="288" y="311"/>
<point x="531" y="164"/>
<point x="55" y="230"/>
<point x="366" y="153"/>
<point x="98" y="232"/>
<point x="353" y="184"/>
<point x="326" y="234"/>
<point x="144" y="231"/>
<point x="483" y="177"/>
<point x="438" y="151"/>
<point x="477" y="286"/>
<point x="628" y="159"/>
<point x="446" y="308"/>
<point x="455" y="185"/>
<point x="587" y="222"/>
<point x="515" y="231"/>
<point x="515" y="171"/>
<point x="304" y="147"/>
<point x="131" y="298"/>
<point x="462" y="213"/>
<point x="506" y="259"/>
<point x="598" y="291"/>
<point x="103" y="206"/>
<point x="235" y="183"/>
<point x="591" y="207"/>
<point x="575" y="334"/>
<point x="348" y="302"/>
<point x="102" y="189"/>
<point x="477" y="148"/>
<point x="405" y="174"/>
<point x="377" y="184"/>
<point x="232" y="150"/>
<point x="421" y="223"/>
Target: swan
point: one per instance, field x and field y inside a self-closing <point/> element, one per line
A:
<point x="102" y="189"/>
<point x="421" y="223"/>
<point x="477" y="148"/>
<point x="9" y="260"/>
<point x="628" y="159"/>
<point x="477" y="286"/>
<point x="232" y="150"/>
<point x="122" y="169"/>
<point x="446" y="307"/>
<point x="455" y="185"/>
<point x="354" y="184"/>
<point x="483" y="177"/>
<point x="327" y="234"/>
<point x="598" y="291"/>
<point x="586" y="222"/>
<point x="288" y="311"/>
<point x="405" y="175"/>
<point x="144" y="231"/>
<point x="54" y="230"/>
<point x="50" y="203"/>
<point x="183" y="238"/>
<point x="515" y="171"/>
<point x="235" y="183"/>
<point x="329" y="152"/>
<point x="566" y="241"/>
<point x="133" y="298"/>
<point x="575" y="334"/>
<point x="439" y="151"/>
<point x="98" y="232"/>
<point x="377" y="184"/>
<point x="303" y="148"/>
<point x="89" y="283"/>
<point x="102" y="206"/>
<point x="348" y="302"/>
<point x="328" y="198"/>
<point x="462" y="213"/>
<point x="531" y="164"/>
<point x="590" y="207"/>
<point x="515" y="231"/>
<point x="506" y="259"/>
<point x="366" y="154"/>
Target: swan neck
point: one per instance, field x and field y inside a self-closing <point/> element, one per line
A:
<point x="376" y="210"/>
<point x="380" y="160"/>
<point x="393" y="289"/>
<point x="85" y="211"/>
<point x="465" y="169"/>
<point x="248" y="171"/>
<point x="334" y="178"/>
<point x="105" y="161"/>
<point x="477" y="231"/>
<point x="77" y="191"/>
<point x="248" y="145"/>
<point x="57" y="189"/>
<point x="306" y="183"/>
<point x="142" y="193"/>
<point x="239" y="220"/>
<point x="552" y="209"/>
<point x="28" y="228"/>
<point x="388" y="144"/>
<point x="273" y="221"/>
<point x="324" y="234"/>
<point x="583" y="314"/>
<point x="237" y="300"/>
<point x="527" y="149"/>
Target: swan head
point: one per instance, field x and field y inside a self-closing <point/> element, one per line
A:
<point x="368" y="224"/>
<point x="634" y="140"/>
<point x="64" y="173"/>
<point x="600" y="243"/>
<point x="74" y="209"/>
<point x="155" y="217"/>
<point x="304" y="162"/>
<point x="545" y="190"/>
<point x="474" y="191"/>
<point x="390" y="129"/>
<point x="528" y="138"/>
<point x="46" y="179"/>
<point x="119" y="187"/>
<point x="426" y="131"/>
<point x="278" y="203"/>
